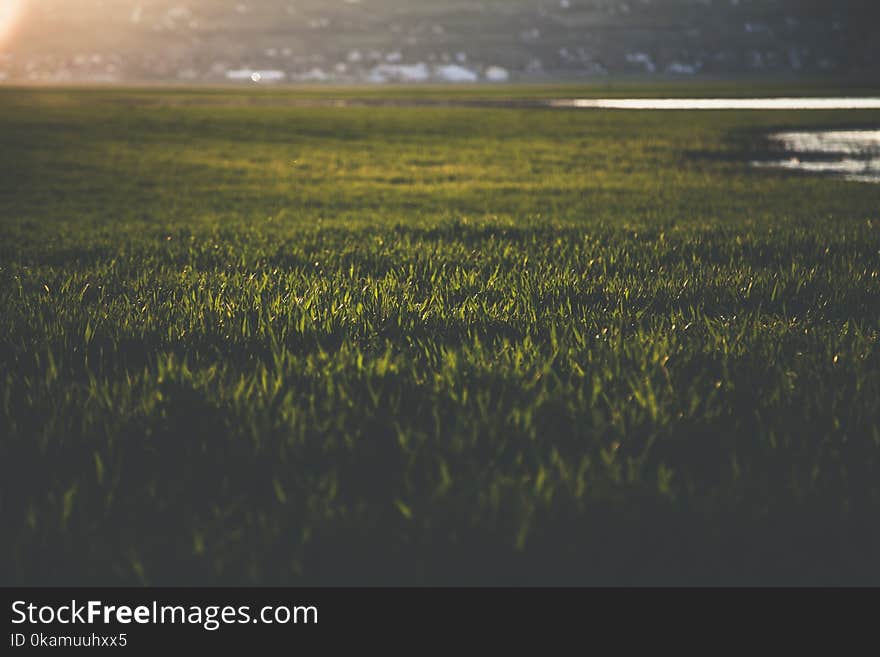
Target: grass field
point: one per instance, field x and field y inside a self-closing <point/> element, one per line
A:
<point x="255" y="343"/>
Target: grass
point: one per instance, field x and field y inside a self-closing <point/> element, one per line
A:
<point x="296" y="345"/>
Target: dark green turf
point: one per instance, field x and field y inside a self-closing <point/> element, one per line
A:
<point x="271" y="344"/>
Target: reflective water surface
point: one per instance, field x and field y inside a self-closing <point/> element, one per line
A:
<point x="850" y="154"/>
<point x="720" y="103"/>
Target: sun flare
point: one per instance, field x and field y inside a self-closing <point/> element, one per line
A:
<point x="10" y="12"/>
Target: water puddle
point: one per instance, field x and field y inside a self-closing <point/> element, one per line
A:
<point x="719" y="103"/>
<point x="293" y="100"/>
<point x="849" y="154"/>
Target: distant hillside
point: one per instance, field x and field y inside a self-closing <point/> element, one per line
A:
<point x="422" y="40"/>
